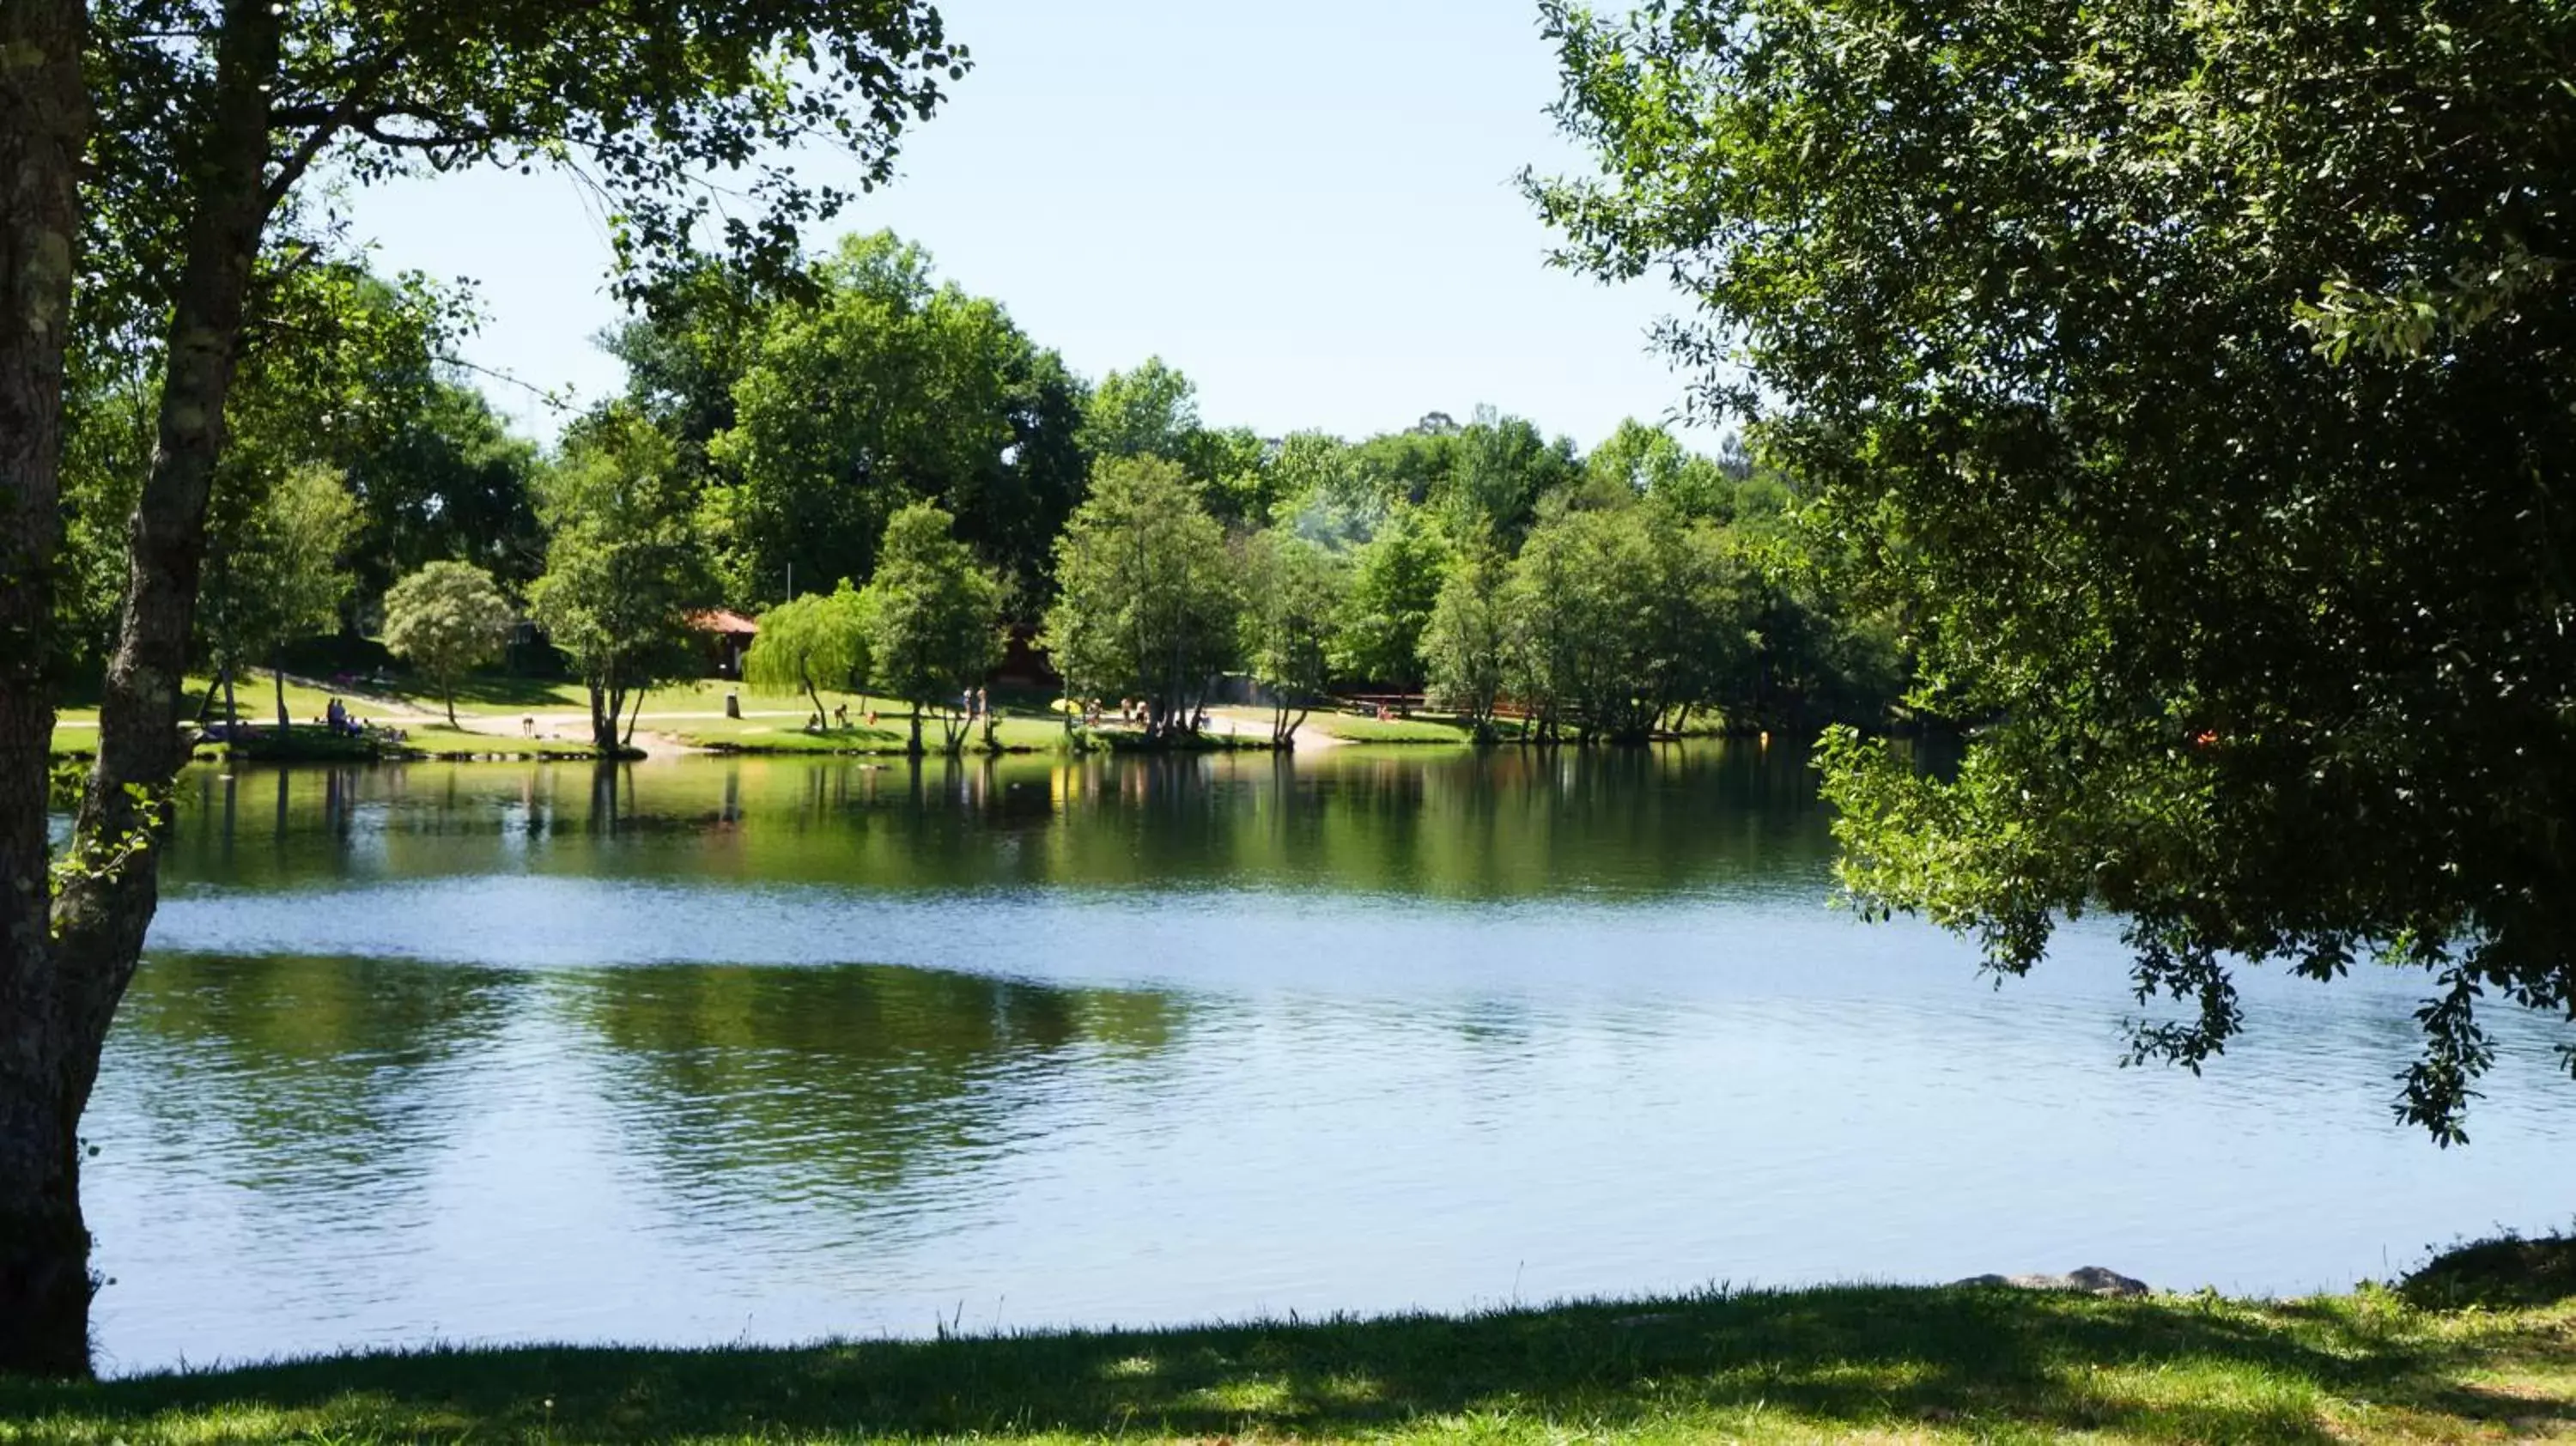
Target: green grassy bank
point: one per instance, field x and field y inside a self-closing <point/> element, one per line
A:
<point x="1874" y="1364"/>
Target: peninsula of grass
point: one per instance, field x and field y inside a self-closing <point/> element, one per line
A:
<point x="1867" y="1364"/>
<point x="440" y="743"/>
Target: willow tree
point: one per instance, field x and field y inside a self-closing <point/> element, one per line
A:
<point x="809" y="643"/>
<point x="206" y="122"/>
<point x="2196" y="379"/>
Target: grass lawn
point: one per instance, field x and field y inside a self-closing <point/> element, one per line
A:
<point x="1862" y="1364"/>
<point x="496" y="697"/>
<point x="485" y="696"/>
<point x="440" y="741"/>
<point x="76" y="723"/>
<point x="254" y="695"/>
<point x="692" y="712"/>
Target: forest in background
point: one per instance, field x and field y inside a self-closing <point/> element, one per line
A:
<point x="773" y="432"/>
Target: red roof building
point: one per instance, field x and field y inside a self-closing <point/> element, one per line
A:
<point x="728" y="636"/>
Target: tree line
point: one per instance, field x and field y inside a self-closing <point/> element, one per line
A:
<point x="855" y="450"/>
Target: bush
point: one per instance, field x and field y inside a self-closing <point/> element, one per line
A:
<point x="2504" y="1273"/>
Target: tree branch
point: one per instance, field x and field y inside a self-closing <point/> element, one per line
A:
<point x="327" y="122"/>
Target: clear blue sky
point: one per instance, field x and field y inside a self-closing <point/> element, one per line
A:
<point x="1307" y="207"/>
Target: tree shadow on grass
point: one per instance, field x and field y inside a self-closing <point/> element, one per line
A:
<point x="481" y="690"/>
<point x="1989" y="1363"/>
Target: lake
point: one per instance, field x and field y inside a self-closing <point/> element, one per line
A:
<point x="706" y="1050"/>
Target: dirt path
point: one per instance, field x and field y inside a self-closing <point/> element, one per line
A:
<point x="1220" y="721"/>
<point x="574" y="727"/>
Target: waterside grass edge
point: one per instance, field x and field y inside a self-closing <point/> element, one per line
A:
<point x="1875" y="1363"/>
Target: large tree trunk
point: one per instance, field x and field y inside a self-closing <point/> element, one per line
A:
<point x="607" y="704"/>
<point x="106" y="905"/>
<point x="44" y="1246"/>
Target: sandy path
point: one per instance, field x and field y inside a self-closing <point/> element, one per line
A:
<point x="1307" y="738"/>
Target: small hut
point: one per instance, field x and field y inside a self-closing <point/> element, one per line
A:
<point x="728" y="636"/>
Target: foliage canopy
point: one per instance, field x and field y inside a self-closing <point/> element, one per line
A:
<point x="1146" y="592"/>
<point x="933" y="617"/>
<point x="447" y="619"/>
<point x="809" y="643"/>
<point x="624" y="568"/>
<point x="2197" y="381"/>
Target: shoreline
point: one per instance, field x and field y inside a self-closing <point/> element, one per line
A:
<point x="1872" y="1363"/>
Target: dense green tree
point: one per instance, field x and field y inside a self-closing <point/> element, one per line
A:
<point x="1146" y="594"/>
<point x="107" y="452"/>
<point x="1571" y="600"/>
<point x="877" y="388"/>
<point x="1818" y="661"/>
<point x="1395" y="580"/>
<point x="2197" y="382"/>
<point x="810" y="643"/>
<point x="160" y="148"/>
<point x="276" y="574"/>
<point x="1152" y="411"/>
<point x="1549" y="614"/>
<point x="697" y="331"/>
<point x="446" y="481"/>
<point x="1397" y="469"/>
<point x="1623" y="619"/>
<point x="933" y="619"/>
<point x="1501" y="466"/>
<point x="1690" y="632"/>
<point x="1292" y="602"/>
<point x="1467" y="646"/>
<point x="1819" y="656"/>
<point x="1015" y="522"/>
<point x="447" y="620"/>
<point x="1315" y="484"/>
<point x="625" y="567"/>
<point x="340" y="364"/>
<point x="1233" y="465"/>
<point x="345" y="368"/>
<point x="1641" y="461"/>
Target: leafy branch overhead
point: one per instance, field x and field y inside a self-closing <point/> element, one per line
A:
<point x="677" y="114"/>
<point x="2195" y="381"/>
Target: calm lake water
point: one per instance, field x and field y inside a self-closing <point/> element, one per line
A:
<point x="710" y="1050"/>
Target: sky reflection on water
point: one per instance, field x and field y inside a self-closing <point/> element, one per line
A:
<point x="775" y="1049"/>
